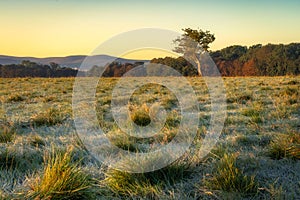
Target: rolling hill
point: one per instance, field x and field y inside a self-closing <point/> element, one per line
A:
<point x="68" y="61"/>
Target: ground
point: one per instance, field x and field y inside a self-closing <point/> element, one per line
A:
<point x="257" y="155"/>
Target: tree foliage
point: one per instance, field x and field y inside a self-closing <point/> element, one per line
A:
<point x="192" y="44"/>
<point x="259" y="60"/>
<point x="203" y="38"/>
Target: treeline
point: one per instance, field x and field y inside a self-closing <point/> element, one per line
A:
<point x="31" y="69"/>
<point x="259" y="60"/>
<point x="117" y="69"/>
<point x="114" y="69"/>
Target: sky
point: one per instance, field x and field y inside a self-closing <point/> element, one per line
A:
<point x="44" y="28"/>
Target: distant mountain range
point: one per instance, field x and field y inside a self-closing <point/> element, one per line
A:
<point x="68" y="61"/>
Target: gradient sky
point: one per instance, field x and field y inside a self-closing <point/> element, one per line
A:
<point x="44" y="28"/>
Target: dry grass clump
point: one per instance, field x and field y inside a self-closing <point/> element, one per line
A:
<point x="50" y="117"/>
<point x="23" y="159"/>
<point x="36" y="141"/>
<point x="7" y="133"/>
<point x="290" y="94"/>
<point x="16" y="97"/>
<point x="285" y="146"/>
<point x="140" y="116"/>
<point x="145" y="185"/>
<point x="122" y="140"/>
<point x="61" y="179"/>
<point x="228" y="177"/>
<point x="241" y="99"/>
<point x="254" y="114"/>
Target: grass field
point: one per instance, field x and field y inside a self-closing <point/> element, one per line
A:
<point x="256" y="157"/>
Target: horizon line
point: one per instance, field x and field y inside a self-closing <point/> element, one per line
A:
<point x="74" y="55"/>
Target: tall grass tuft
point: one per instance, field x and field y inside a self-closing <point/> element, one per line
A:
<point x="141" y="116"/>
<point x="16" y="97"/>
<point x="36" y="141"/>
<point x="285" y="146"/>
<point x="61" y="179"/>
<point x="19" y="158"/>
<point x="145" y="185"/>
<point x="228" y="177"/>
<point x="7" y="133"/>
<point x="254" y="114"/>
<point x="52" y="116"/>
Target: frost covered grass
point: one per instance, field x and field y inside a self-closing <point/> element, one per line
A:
<point x="256" y="157"/>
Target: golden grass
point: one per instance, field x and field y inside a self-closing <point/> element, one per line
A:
<point x="262" y="125"/>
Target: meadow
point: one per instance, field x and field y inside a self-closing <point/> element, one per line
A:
<point x="257" y="155"/>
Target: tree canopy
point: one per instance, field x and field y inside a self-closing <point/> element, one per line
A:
<point x="192" y="44"/>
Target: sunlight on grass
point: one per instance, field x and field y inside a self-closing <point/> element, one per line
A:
<point x="61" y="179"/>
<point x="283" y="146"/>
<point x="262" y="125"/>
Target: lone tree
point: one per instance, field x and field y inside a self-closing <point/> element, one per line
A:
<point x="193" y="43"/>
